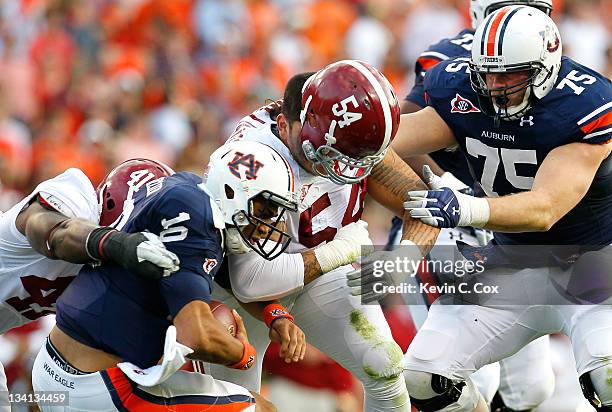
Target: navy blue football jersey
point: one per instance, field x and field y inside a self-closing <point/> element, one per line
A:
<point x="445" y="49"/>
<point x="108" y="308"/>
<point x="504" y="159"/>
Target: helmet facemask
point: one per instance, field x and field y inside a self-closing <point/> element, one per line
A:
<point x="265" y="210"/>
<point x="491" y="101"/>
<point x="341" y="169"/>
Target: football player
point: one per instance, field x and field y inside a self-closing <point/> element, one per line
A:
<point x="109" y="316"/>
<point x="521" y="114"/>
<point x="334" y="127"/>
<point x="527" y="378"/>
<point x="49" y="235"/>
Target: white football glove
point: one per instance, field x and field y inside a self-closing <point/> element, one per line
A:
<point x="447" y="179"/>
<point x="351" y="241"/>
<point x="384" y="267"/>
<point x="153" y="250"/>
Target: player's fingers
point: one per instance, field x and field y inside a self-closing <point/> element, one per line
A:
<point x="299" y="338"/>
<point x="303" y="350"/>
<point x="420" y="213"/>
<point x="418" y="194"/>
<point x="240" y="329"/>
<point x="285" y="338"/>
<point x="293" y="344"/>
<point x="354" y="274"/>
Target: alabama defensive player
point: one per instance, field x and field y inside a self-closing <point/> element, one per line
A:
<point x="337" y="123"/>
<point x="521" y="114"/>
<point x="49" y="235"/>
<point x="527" y="378"/>
<point x="108" y="316"/>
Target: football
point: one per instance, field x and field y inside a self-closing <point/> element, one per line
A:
<point x="224" y="315"/>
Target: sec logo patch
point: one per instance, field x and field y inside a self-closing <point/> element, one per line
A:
<point x="462" y="105"/>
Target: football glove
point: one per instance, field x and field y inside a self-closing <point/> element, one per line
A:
<point x="405" y="259"/>
<point x="141" y="253"/>
<point x="350" y="242"/>
<point x="446" y="207"/>
<point x="447" y="179"/>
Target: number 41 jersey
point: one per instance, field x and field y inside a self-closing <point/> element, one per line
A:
<point x="30" y="283"/>
<point x="504" y="159"/>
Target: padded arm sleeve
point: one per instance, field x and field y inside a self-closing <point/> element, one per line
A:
<point x="254" y="278"/>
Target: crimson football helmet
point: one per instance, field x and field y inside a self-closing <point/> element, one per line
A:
<point x="119" y="186"/>
<point x="349" y="116"/>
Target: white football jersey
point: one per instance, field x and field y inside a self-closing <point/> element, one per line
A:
<point x="30" y="283"/>
<point x="324" y="207"/>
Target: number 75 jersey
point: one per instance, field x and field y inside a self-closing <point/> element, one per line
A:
<point x="504" y="159"/>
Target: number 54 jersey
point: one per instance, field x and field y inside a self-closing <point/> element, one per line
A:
<point x="504" y="158"/>
<point x="30" y="283"/>
<point x="324" y="207"/>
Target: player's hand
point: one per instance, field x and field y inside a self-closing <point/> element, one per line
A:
<point x="241" y="332"/>
<point x="448" y="208"/>
<point x="291" y="339"/>
<point x="146" y="256"/>
<point x="447" y="179"/>
<point x="437" y="207"/>
<point x="141" y="253"/>
<point x="274" y="107"/>
<point x="373" y="270"/>
<point x="350" y="242"/>
<point x="249" y="355"/>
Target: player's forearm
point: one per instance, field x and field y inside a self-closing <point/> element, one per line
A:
<point x="255" y="309"/>
<point x="68" y="242"/>
<point x="57" y="236"/>
<point x="422" y="235"/>
<point x="389" y="184"/>
<point x="421" y="133"/>
<point x="530" y="211"/>
<point x="198" y="329"/>
<point x="219" y="347"/>
<point x="312" y="268"/>
<point x="416" y="163"/>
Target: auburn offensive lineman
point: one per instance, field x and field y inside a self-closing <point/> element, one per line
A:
<point x="336" y="123"/>
<point x="527" y="378"/>
<point x="108" y="316"/>
<point x="49" y="235"/>
<point x="521" y="114"/>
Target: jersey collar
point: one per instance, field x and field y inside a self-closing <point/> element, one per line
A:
<point x="218" y="220"/>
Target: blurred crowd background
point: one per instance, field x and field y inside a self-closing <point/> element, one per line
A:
<point x="90" y="83"/>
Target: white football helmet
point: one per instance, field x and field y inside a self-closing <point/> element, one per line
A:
<point x="252" y="184"/>
<point x="513" y="39"/>
<point x="479" y="9"/>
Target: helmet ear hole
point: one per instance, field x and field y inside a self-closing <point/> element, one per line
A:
<point x="229" y="192"/>
<point x="110" y="204"/>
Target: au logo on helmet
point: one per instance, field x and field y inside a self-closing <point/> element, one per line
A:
<point x="248" y="161"/>
<point x="552" y="47"/>
<point x="462" y="105"/>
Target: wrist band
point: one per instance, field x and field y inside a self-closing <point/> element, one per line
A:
<point x="95" y="242"/>
<point x="275" y="311"/>
<point x="248" y="357"/>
